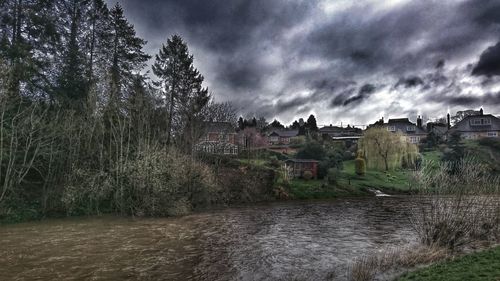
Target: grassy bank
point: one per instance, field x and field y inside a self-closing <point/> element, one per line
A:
<point x="482" y="266"/>
<point x="349" y="184"/>
<point x="396" y="181"/>
<point x="319" y="189"/>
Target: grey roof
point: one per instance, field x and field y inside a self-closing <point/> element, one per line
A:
<point x="340" y="131"/>
<point x="302" y="160"/>
<point x="440" y="130"/>
<point x="285" y="133"/>
<point x="465" y="124"/>
<point x="401" y="125"/>
<point x="219" y="127"/>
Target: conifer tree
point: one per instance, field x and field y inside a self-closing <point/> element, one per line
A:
<point x="72" y="85"/>
<point x="27" y="39"/>
<point x="127" y="56"/>
<point x="182" y="85"/>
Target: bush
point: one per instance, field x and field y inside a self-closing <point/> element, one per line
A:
<point x="458" y="204"/>
<point x="307" y="175"/>
<point x="348" y="155"/>
<point x="491" y="142"/>
<point x="311" y="150"/>
<point x="360" y="166"/>
<point x="332" y="175"/>
<point x="152" y="184"/>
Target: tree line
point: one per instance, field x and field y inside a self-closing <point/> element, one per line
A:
<point x="83" y="129"/>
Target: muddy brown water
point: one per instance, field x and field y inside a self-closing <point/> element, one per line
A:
<point x="278" y="241"/>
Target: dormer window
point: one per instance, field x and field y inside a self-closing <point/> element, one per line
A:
<point x="391" y="128"/>
<point x="411" y="128"/>
<point x="480" y="121"/>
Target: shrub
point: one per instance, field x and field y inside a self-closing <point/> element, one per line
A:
<point x="311" y="150"/>
<point x="307" y="175"/>
<point x="333" y="175"/>
<point x="348" y="155"/>
<point x="360" y="166"/>
<point x="458" y="206"/>
<point x="151" y="184"/>
<point x="491" y="142"/>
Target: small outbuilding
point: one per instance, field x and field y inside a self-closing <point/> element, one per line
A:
<point x="299" y="166"/>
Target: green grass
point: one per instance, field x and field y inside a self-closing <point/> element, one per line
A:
<point x="396" y="180"/>
<point x="482" y="266"/>
<point x="253" y="162"/>
<point x="432" y="156"/>
<point x="319" y="189"/>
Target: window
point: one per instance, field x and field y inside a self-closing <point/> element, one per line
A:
<point x="480" y="121"/>
<point x="391" y="128"/>
<point x="414" y="139"/>
<point x="411" y="128"/>
<point x="492" y="134"/>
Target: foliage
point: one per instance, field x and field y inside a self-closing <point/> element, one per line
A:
<point x="81" y="131"/>
<point x="360" y="166"/>
<point x="333" y="176"/>
<point x="307" y="175"/>
<point x="490" y="142"/>
<point x="298" y="141"/>
<point x="181" y="82"/>
<point x="276" y="125"/>
<point x="458" y="203"/>
<point x="311" y="150"/>
<point x="384" y="150"/>
<point x="463" y="114"/>
<point x="311" y="124"/>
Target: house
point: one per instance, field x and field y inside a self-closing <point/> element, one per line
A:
<point x="438" y="129"/>
<point x="414" y="133"/>
<point x="477" y="126"/>
<point x="282" y="137"/>
<point x="347" y="135"/>
<point x="335" y="131"/>
<point x="297" y="167"/>
<point x="218" y="138"/>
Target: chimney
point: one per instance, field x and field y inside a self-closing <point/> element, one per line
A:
<point x="481" y="111"/>
<point x="419" y="122"/>
<point x="449" y="123"/>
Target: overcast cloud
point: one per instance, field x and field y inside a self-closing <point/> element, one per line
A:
<point x="344" y="61"/>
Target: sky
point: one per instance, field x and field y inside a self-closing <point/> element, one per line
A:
<point x="346" y="62"/>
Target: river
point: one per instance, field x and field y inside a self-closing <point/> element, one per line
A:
<point x="276" y="241"/>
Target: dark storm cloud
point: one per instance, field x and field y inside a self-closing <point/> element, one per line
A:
<point x="484" y="12"/>
<point x="467" y="100"/>
<point x="410" y="82"/>
<point x="282" y="58"/>
<point x="347" y="97"/>
<point x="489" y="62"/>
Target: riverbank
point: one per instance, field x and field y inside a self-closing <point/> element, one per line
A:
<point x="480" y="266"/>
<point x="348" y="184"/>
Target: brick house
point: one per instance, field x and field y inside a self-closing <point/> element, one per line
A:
<point x="218" y="138"/>
<point x="477" y="126"/>
<point x="413" y="133"/>
<point x="282" y="137"/>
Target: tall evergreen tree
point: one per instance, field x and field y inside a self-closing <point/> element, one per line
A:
<point x="311" y="123"/>
<point x="27" y="41"/>
<point x="127" y="56"/>
<point x="182" y="85"/>
<point x="72" y="85"/>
